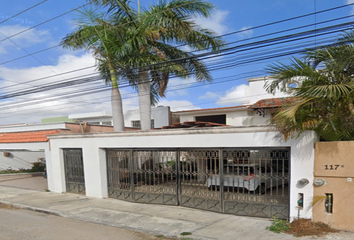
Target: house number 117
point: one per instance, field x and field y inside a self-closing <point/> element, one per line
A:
<point x="331" y="167"/>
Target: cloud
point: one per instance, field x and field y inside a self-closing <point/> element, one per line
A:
<point x="33" y="107"/>
<point x="209" y="95"/>
<point x="215" y="22"/>
<point x="234" y="96"/>
<point x="352" y="7"/>
<point x="25" y="39"/>
<point x="179" y="86"/>
<point x="178" y="105"/>
<point x="245" y="32"/>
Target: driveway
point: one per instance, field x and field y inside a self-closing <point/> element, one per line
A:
<point x="38" y="183"/>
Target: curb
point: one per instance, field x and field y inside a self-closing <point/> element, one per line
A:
<point x="35" y="209"/>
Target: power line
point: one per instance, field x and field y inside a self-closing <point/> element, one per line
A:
<point x="274" y="39"/>
<point x="42" y="23"/>
<point x="234" y="79"/>
<point x="23" y="11"/>
<point x="231" y="33"/>
<point x="75" y="82"/>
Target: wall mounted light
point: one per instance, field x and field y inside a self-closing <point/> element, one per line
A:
<point x="7" y="154"/>
<point x="319" y="182"/>
<point x="302" y="182"/>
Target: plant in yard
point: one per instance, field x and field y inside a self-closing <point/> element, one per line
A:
<point x="323" y="97"/>
<point x="279" y="225"/>
<point x="141" y="47"/>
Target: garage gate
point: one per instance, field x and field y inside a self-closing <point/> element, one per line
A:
<point x="74" y="170"/>
<point x="248" y="182"/>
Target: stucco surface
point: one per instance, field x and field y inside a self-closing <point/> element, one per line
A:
<point x="334" y="164"/>
<point x="93" y="146"/>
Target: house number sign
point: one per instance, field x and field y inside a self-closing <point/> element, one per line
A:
<point x="332" y="167"/>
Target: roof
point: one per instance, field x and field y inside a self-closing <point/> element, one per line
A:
<point x="272" y="103"/>
<point x="193" y="124"/>
<point x="212" y="109"/>
<point x="27" y="137"/>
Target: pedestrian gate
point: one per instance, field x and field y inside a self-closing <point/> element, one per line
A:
<point x="74" y="171"/>
<point x="250" y="182"/>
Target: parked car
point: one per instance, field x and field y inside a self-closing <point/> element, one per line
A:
<point x="251" y="177"/>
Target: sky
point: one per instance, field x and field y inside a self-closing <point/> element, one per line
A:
<point x="30" y="57"/>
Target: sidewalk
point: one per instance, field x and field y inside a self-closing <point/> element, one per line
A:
<point x="169" y="221"/>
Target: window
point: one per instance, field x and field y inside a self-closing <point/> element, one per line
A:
<point x="221" y="119"/>
<point x="136" y="124"/>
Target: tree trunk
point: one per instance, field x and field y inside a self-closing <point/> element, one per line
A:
<point x="144" y="100"/>
<point x="117" y="104"/>
<point x="351" y="108"/>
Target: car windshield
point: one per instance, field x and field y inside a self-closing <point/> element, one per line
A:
<point x="241" y="170"/>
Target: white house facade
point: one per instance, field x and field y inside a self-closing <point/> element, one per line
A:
<point x="174" y="166"/>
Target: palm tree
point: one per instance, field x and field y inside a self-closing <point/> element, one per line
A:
<point x="150" y="43"/>
<point x="324" y="95"/>
<point x="97" y="34"/>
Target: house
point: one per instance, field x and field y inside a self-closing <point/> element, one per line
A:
<point x="23" y="144"/>
<point x="185" y="166"/>
<point x="160" y="116"/>
<point x="257" y="108"/>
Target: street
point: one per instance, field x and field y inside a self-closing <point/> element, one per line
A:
<point x="18" y="224"/>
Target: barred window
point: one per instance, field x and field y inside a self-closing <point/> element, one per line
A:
<point x="136" y="124"/>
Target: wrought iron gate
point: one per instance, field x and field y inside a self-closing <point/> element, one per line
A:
<point x="250" y="182"/>
<point x="74" y="171"/>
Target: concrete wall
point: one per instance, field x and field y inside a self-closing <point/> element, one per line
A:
<point x="93" y="145"/>
<point x="19" y="159"/>
<point x="43" y="146"/>
<point x="76" y="128"/>
<point x="256" y="90"/>
<point x="245" y="117"/>
<point x="334" y="164"/>
<point x="161" y="116"/>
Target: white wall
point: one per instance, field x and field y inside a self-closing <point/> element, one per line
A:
<point x="186" y="118"/>
<point x="238" y="118"/>
<point x="256" y="90"/>
<point x="302" y="154"/>
<point x="32" y="127"/>
<point x="245" y="117"/>
<point x="160" y="114"/>
<point x="36" y="146"/>
<point x="19" y="159"/>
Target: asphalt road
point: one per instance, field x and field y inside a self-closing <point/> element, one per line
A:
<point x="18" y="224"/>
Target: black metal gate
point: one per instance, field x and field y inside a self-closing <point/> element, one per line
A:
<point x="74" y="171"/>
<point x="250" y="182"/>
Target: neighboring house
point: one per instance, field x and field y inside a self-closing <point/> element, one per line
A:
<point x="160" y="116"/>
<point x="257" y="108"/>
<point x="23" y="144"/>
<point x="94" y="118"/>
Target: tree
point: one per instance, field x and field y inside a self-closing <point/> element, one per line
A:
<point x="97" y="34"/>
<point x="323" y="97"/>
<point x="149" y="47"/>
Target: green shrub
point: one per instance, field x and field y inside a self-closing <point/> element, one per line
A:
<point x="279" y="225"/>
<point x="37" y="167"/>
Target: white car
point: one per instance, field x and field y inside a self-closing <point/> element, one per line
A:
<point x="249" y="176"/>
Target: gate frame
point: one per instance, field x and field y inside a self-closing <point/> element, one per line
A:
<point x="83" y="169"/>
<point x="178" y="175"/>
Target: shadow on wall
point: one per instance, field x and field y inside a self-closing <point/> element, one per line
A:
<point x="19" y="159"/>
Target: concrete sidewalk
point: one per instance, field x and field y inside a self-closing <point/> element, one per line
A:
<point x="169" y="221"/>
